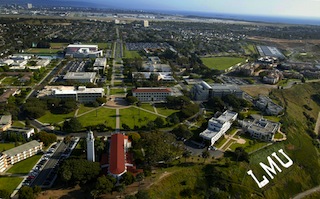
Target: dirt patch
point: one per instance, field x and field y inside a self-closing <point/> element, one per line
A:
<point x="290" y="147"/>
<point x="74" y="192"/>
<point x="255" y="91"/>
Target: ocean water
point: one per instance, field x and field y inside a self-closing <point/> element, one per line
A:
<point x="269" y="19"/>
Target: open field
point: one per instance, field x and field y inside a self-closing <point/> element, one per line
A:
<point x="43" y="50"/>
<point x="116" y="91"/>
<point x="256" y="90"/>
<point x="6" y="146"/>
<point x="18" y="123"/>
<point x="147" y="106"/>
<point x="9" y="81"/>
<point x="51" y="118"/>
<point x="166" y="111"/>
<point x="133" y="116"/>
<point x="58" y="45"/>
<point x="221" y="63"/>
<point x="100" y="116"/>
<point x="9" y="183"/>
<point x="174" y="180"/>
<point x="24" y="166"/>
<point x="131" y="54"/>
<point x="84" y="109"/>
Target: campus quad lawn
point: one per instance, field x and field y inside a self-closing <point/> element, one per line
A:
<point x="9" y="183"/>
<point x="131" y="54"/>
<point x="6" y="146"/>
<point x="43" y="50"/>
<point x="84" y="109"/>
<point x="58" y="45"/>
<point x="133" y="116"/>
<point x="221" y="63"/>
<point x="100" y="116"/>
<point x="18" y="124"/>
<point x="116" y="91"/>
<point x="166" y="111"/>
<point x="51" y="118"/>
<point x="147" y="106"/>
<point x="24" y="166"/>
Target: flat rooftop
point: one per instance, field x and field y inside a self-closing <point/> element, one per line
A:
<point x="80" y="75"/>
<point x="22" y="148"/>
<point x="270" y="51"/>
<point x="151" y="90"/>
<point x="82" y="46"/>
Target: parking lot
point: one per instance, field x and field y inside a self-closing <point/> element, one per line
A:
<point x="233" y="80"/>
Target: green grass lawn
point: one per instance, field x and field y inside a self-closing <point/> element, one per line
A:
<point x="116" y="91"/>
<point x="18" y="124"/>
<point x="6" y="146"/>
<point x="84" y="109"/>
<point x="221" y="63"/>
<point x="51" y="118"/>
<point x="131" y="54"/>
<point x="101" y="116"/>
<point x="59" y="45"/>
<point x="147" y="106"/>
<point x="166" y="111"/>
<point x="174" y="180"/>
<point x="43" y="50"/>
<point x="133" y="116"/>
<point x="9" y="81"/>
<point x="9" y="183"/>
<point x="278" y="136"/>
<point x="117" y="84"/>
<point x="24" y="166"/>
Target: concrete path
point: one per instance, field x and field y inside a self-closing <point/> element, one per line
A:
<point x="229" y="137"/>
<point x="308" y="192"/>
<point x="155" y="109"/>
<point x="150" y="112"/>
<point x="316" y="128"/>
<point x="117" y="120"/>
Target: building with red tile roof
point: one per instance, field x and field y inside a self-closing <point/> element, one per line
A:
<point x="151" y="94"/>
<point x="117" y="157"/>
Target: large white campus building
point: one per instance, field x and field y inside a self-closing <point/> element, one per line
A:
<point x="80" y="94"/>
<point x="217" y="127"/>
<point x="83" y="77"/>
<point x="83" y="51"/>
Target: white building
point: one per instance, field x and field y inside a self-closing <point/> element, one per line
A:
<point x="217" y="127"/>
<point x="161" y="76"/>
<point x="90" y="147"/>
<point x="100" y="65"/>
<point x="83" y="51"/>
<point x="29" y="5"/>
<point x="146" y="23"/>
<point x="266" y="104"/>
<point x="260" y="128"/>
<point x="83" y="77"/>
<point x="82" y="94"/>
<point x="24" y="131"/>
<point x="3" y="162"/>
<point x="152" y="94"/>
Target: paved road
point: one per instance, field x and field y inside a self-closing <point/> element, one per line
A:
<point x="53" y="160"/>
<point x="308" y="192"/>
<point x="117" y="120"/>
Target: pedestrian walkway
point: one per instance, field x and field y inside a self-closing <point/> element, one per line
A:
<point x="117" y="120"/>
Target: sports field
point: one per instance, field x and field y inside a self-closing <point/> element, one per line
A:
<point x="221" y="63"/>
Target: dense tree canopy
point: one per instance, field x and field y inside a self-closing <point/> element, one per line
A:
<point x="73" y="125"/>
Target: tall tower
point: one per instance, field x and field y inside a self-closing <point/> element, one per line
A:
<point x="90" y="147"/>
<point x="146" y="23"/>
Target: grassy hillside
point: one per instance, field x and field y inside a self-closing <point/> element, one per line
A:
<point x="301" y="176"/>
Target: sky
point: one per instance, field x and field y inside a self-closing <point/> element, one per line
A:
<point x="293" y="8"/>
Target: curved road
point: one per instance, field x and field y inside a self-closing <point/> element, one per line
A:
<point x="308" y="192"/>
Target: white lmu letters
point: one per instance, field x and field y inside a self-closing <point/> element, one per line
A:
<point x="271" y="168"/>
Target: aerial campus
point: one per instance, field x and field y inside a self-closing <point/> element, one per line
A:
<point x="114" y="104"/>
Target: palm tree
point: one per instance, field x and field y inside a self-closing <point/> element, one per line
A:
<point x="186" y="154"/>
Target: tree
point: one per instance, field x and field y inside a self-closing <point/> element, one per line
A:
<point x="104" y="185"/>
<point x="73" y="125"/>
<point x="46" y="138"/>
<point x="26" y="192"/>
<point x="127" y="178"/>
<point x="142" y="195"/>
<point x="101" y="100"/>
<point x="182" y="131"/>
<point x="159" y="122"/>
<point x="4" y="194"/>
<point x="131" y="99"/>
<point x="186" y="154"/>
<point x="241" y="154"/>
<point x="205" y="154"/>
<point x="140" y="178"/>
<point x="134" y="136"/>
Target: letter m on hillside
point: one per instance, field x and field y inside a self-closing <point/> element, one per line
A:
<point x="271" y="168"/>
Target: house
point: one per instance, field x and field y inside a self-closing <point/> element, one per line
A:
<point x="217" y="127"/>
<point x="119" y="146"/>
<point x="22" y="152"/>
<point x="260" y="128"/>
<point x="152" y="94"/>
<point x="5" y="122"/>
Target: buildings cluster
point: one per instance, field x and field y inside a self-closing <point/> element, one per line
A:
<point x="150" y="94"/>
<point x="19" y="153"/>
<point x="22" y="62"/>
<point x="204" y="91"/>
<point x="268" y="106"/>
<point x="217" y="127"/>
<point x="80" y="94"/>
